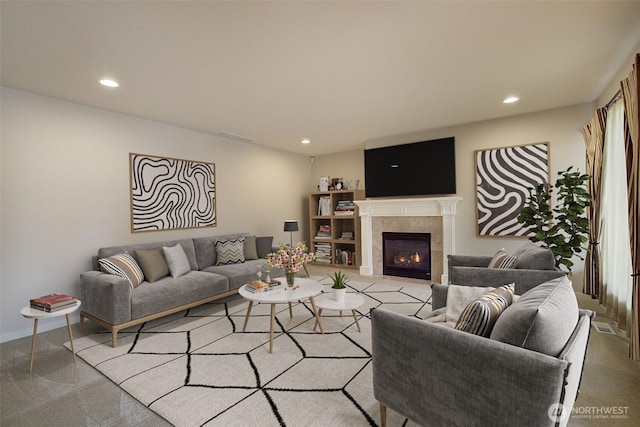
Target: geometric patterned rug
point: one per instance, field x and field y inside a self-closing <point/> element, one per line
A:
<point x="197" y="367"/>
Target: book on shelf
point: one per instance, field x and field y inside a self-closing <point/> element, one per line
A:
<point x="345" y="257"/>
<point x="53" y="301"/>
<point x="347" y="235"/>
<point x="324" y="206"/>
<point x="343" y="213"/>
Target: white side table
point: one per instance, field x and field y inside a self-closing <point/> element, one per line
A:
<point x="35" y="314"/>
<point x="307" y="289"/>
<point x="351" y="302"/>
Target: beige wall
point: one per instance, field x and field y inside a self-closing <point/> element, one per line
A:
<point x="622" y="73"/>
<point x="561" y="127"/>
<point x="65" y="192"/>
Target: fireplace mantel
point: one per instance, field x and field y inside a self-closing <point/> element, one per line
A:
<point x="444" y="207"/>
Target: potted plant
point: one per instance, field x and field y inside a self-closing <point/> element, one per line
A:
<point x="564" y="228"/>
<point x="339" y="289"/>
<point x="290" y="260"/>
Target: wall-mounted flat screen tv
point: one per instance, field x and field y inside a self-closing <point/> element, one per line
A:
<point x="419" y="168"/>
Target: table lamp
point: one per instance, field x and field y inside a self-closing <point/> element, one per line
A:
<point x="291" y="225"/>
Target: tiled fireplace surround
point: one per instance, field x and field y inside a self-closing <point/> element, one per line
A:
<point x="422" y="215"/>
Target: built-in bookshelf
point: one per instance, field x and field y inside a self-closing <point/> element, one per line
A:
<point x="335" y="227"/>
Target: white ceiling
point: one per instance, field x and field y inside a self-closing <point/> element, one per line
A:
<point x="338" y="73"/>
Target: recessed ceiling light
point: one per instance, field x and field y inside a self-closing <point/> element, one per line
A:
<point x="511" y="100"/>
<point x="109" y="83"/>
<point x="306" y="141"/>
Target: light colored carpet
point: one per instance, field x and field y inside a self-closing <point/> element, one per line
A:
<point x="197" y="367"/>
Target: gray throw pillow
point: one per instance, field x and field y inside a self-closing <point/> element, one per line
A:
<point x="250" y="251"/>
<point x="177" y="260"/>
<point x="533" y="257"/>
<point x="152" y="263"/>
<point x="542" y="319"/>
<point x="263" y="245"/>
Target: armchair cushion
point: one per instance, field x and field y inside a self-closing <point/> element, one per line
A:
<point x="541" y="320"/>
<point x="482" y="313"/>
<point x="532" y="257"/>
<point x="502" y="260"/>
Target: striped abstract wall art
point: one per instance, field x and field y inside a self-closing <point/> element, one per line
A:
<point x="169" y="194"/>
<point x="503" y="179"/>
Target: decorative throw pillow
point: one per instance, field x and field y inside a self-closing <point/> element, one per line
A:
<point x="123" y="265"/>
<point x="250" y="251"/>
<point x="458" y="297"/>
<point x="480" y="315"/>
<point x="152" y="263"/>
<point x="177" y="260"/>
<point x="263" y="245"/>
<point x="502" y="260"/>
<point x="230" y="251"/>
<point x="498" y="258"/>
<point x="542" y="319"/>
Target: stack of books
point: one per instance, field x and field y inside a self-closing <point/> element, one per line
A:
<point x="347" y="235"/>
<point x="345" y="207"/>
<point x="323" y="252"/>
<point x="53" y="302"/>
<point x="324" y="232"/>
<point x="257" y="286"/>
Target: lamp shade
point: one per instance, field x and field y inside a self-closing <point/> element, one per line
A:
<point x="291" y="225"/>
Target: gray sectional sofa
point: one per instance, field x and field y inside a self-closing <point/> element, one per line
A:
<point x="116" y="301"/>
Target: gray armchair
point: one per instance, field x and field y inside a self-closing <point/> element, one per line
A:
<point x="534" y="265"/>
<point x="438" y="376"/>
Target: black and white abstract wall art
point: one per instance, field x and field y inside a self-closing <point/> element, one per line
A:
<point x="169" y="194"/>
<point x="504" y="177"/>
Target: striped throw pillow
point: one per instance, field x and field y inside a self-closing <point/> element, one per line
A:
<point x="123" y="265"/>
<point x="498" y="258"/>
<point x="480" y="315"/>
<point x="230" y="251"/>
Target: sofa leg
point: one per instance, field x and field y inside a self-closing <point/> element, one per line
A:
<point x="383" y="415"/>
<point x="114" y="338"/>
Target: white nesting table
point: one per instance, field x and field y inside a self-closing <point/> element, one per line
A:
<point x="351" y="302"/>
<point x="35" y="314"/>
<point x="306" y="289"/>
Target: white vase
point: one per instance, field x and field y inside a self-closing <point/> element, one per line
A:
<point x="338" y="294"/>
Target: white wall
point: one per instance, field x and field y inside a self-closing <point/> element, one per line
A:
<point x="65" y="192"/>
<point x="561" y="127"/>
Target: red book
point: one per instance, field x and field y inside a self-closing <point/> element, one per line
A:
<point x="53" y="300"/>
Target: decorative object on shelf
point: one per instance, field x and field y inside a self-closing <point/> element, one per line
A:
<point x="338" y="288"/>
<point x="502" y="178"/>
<point x="290" y="259"/>
<point x="324" y="183"/>
<point x="154" y="183"/>
<point x="563" y="229"/>
<point x="291" y="225"/>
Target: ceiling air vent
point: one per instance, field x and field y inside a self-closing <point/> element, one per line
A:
<point x="233" y="136"/>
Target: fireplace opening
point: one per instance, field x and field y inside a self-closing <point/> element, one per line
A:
<point x="406" y="255"/>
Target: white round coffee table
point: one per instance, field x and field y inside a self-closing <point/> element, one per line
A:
<point x="351" y="302"/>
<point x="35" y="314"/>
<point x="306" y="289"/>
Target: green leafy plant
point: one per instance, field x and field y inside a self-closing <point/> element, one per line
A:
<point x="564" y="228"/>
<point x="338" y="280"/>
